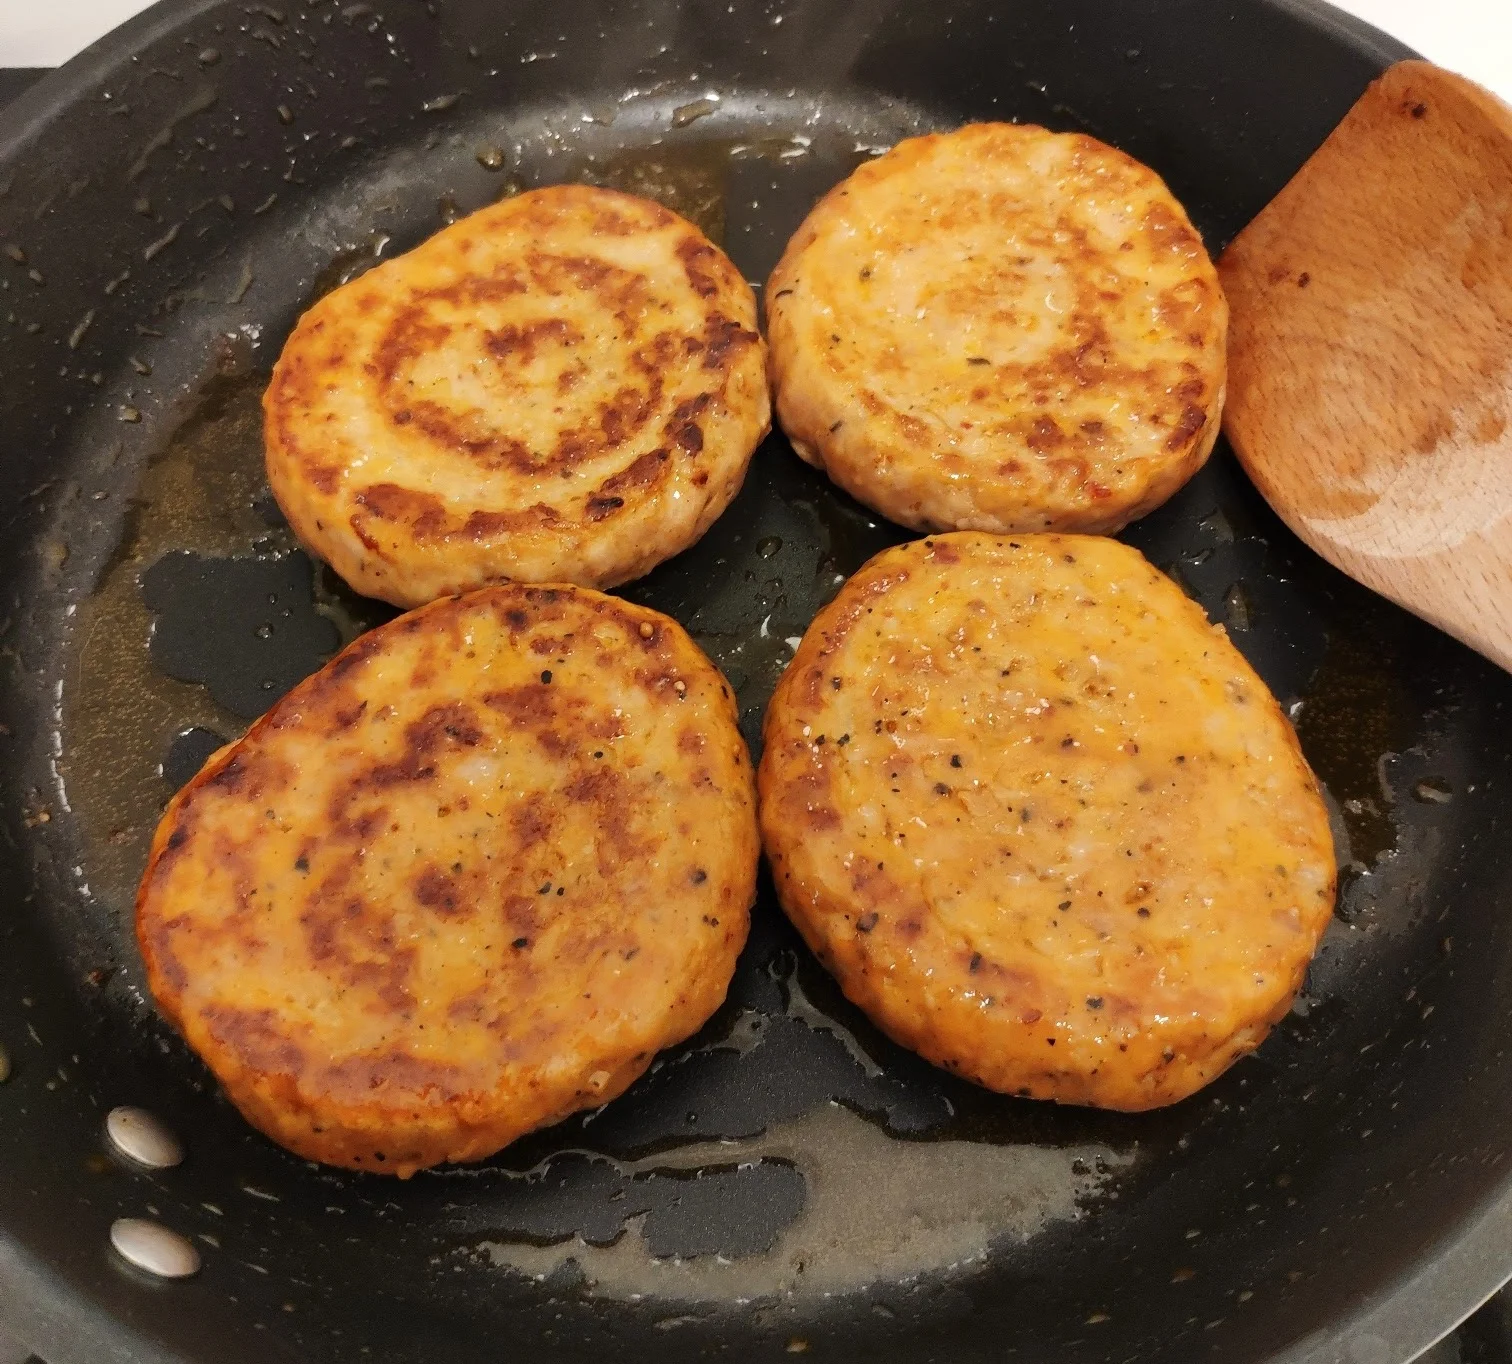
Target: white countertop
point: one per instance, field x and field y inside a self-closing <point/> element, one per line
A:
<point x="1473" y="37"/>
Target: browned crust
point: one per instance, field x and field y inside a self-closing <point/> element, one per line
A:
<point x="414" y="477"/>
<point x="975" y="1000"/>
<point x="941" y="437"/>
<point x="448" y="1012"/>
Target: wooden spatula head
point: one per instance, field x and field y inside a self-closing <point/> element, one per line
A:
<point x="1370" y="351"/>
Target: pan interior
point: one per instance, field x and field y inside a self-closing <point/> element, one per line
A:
<point x="787" y="1177"/>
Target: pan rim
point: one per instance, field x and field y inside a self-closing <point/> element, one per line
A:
<point x="1466" y="1268"/>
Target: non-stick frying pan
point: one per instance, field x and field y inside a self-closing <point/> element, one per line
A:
<point x="787" y="1182"/>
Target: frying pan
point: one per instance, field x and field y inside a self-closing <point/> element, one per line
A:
<point x="787" y="1182"/>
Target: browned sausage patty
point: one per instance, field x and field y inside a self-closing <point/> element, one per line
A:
<point x="1043" y="821"/>
<point x="1000" y="328"/>
<point x="463" y="881"/>
<point x="563" y="387"/>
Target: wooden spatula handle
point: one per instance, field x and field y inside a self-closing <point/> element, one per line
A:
<point x="1370" y="352"/>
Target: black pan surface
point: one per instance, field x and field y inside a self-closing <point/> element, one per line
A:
<point x="788" y="1182"/>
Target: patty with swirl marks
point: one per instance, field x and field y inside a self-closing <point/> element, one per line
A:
<point x="566" y="386"/>
<point x="1000" y="328"/>
<point x="462" y="882"/>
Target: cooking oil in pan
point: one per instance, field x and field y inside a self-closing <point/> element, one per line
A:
<point x="874" y="1209"/>
<point x="1354" y="716"/>
<point x="119" y="712"/>
<point x="1373" y="749"/>
<point x="690" y="178"/>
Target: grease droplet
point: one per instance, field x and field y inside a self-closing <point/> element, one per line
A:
<point x="1433" y="791"/>
<point x="1236" y="607"/>
<point x="685" y="114"/>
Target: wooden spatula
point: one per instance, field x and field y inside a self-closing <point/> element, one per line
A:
<point x="1370" y="351"/>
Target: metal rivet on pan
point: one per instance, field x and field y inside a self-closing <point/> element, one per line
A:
<point x="138" y="1136"/>
<point x="154" y="1249"/>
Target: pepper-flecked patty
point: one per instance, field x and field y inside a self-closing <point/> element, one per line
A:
<point x="563" y="387"/>
<point x="1042" y="820"/>
<point x="463" y="881"/>
<point x="1000" y="328"/>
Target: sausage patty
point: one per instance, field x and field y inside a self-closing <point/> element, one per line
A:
<point x="564" y="387"/>
<point x="1043" y="821"/>
<point x="1000" y="328"/>
<point x="460" y="883"/>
